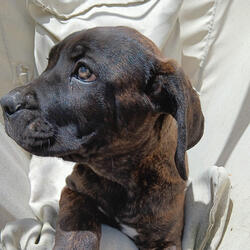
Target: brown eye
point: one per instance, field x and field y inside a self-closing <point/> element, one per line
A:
<point x="85" y="74"/>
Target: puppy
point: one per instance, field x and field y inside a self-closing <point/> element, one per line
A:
<point x="109" y="101"/>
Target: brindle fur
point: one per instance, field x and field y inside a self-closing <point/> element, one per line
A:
<point x="128" y="132"/>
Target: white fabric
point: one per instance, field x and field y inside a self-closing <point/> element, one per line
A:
<point x="16" y="45"/>
<point x="203" y="36"/>
<point x="15" y="188"/>
<point x="218" y="64"/>
<point x="206" y="209"/>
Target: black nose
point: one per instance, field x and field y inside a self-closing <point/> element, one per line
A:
<point x="11" y="102"/>
<point x="17" y="100"/>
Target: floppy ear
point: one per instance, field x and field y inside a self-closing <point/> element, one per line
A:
<point x="171" y="92"/>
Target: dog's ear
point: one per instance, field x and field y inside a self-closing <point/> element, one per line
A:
<point x="171" y="92"/>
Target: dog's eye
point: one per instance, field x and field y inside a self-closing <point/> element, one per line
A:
<point x="85" y="74"/>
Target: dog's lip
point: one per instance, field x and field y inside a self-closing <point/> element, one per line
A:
<point x="81" y="142"/>
<point x="27" y="115"/>
<point x="10" y="117"/>
<point x="18" y="113"/>
<point x="38" y="142"/>
<point x="53" y="151"/>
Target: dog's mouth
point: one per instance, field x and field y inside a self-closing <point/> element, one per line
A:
<point x="38" y="136"/>
<point x="29" y="130"/>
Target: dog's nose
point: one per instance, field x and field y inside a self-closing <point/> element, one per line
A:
<point x="16" y="100"/>
<point x="11" y="102"/>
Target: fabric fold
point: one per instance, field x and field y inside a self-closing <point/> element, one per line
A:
<point x="206" y="208"/>
<point x="67" y="9"/>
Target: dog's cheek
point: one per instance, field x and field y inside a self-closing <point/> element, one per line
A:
<point x="132" y="110"/>
<point x="93" y="108"/>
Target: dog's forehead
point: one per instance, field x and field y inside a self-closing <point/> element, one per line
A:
<point x="111" y="38"/>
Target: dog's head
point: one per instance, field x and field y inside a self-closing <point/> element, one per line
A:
<point x="103" y="86"/>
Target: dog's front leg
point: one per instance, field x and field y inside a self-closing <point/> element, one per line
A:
<point x="78" y="224"/>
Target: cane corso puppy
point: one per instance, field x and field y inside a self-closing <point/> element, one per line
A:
<point x="109" y="101"/>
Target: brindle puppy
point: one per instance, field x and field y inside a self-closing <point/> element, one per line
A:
<point x="109" y="101"/>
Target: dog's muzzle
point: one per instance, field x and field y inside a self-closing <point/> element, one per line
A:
<point x="23" y="121"/>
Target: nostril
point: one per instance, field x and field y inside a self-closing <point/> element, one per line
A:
<point x="10" y="105"/>
<point x="7" y="110"/>
<point x="11" y="109"/>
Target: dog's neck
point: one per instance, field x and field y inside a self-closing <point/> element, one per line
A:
<point x="153" y="154"/>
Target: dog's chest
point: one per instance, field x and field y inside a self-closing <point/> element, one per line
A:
<point x="127" y="228"/>
<point x="129" y="231"/>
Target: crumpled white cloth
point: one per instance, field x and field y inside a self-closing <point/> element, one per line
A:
<point x="206" y="209"/>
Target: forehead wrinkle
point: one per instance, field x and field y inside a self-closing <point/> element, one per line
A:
<point x="77" y="51"/>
